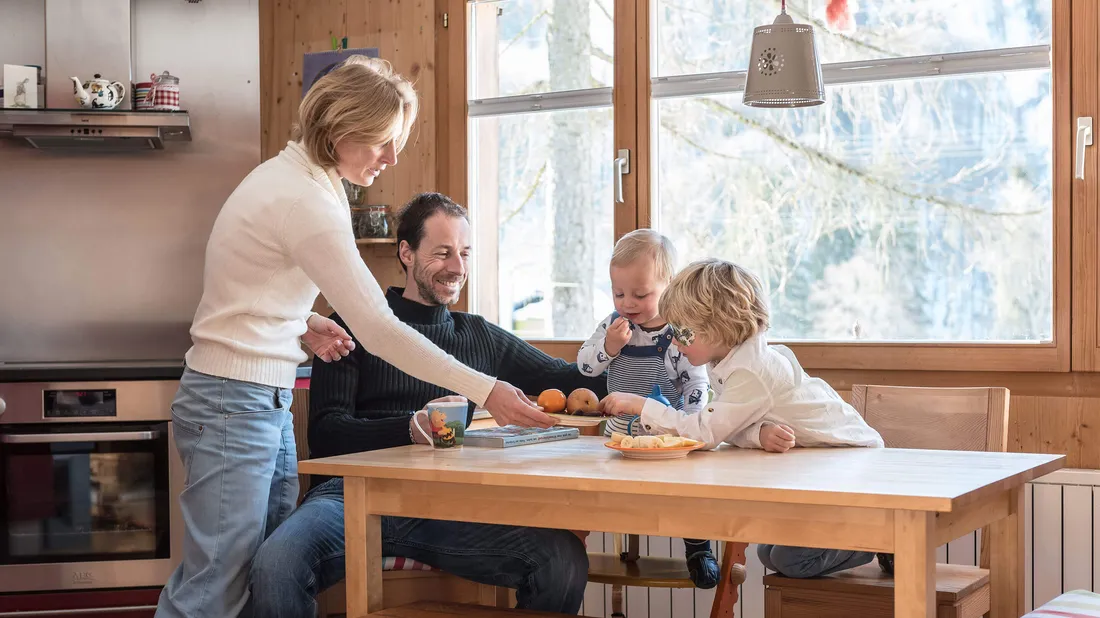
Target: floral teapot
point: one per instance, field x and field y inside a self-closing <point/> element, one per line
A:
<point x="98" y="93"/>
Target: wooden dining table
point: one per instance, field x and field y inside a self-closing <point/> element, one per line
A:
<point x="907" y="502"/>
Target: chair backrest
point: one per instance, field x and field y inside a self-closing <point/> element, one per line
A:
<point x="958" y="419"/>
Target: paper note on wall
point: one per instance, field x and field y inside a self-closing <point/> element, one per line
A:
<point x="316" y="65"/>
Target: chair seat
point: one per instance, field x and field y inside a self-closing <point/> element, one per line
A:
<point x="646" y="572"/>
<point x="1074" y="604"/>
<point x="433" y="609"/>
<point x="954" y="582"/>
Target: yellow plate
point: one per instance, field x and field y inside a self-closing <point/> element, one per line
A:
<point x="675" y="452"/>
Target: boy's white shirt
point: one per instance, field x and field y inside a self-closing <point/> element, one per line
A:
<point x="593" y="359"/>
<point x="757" y="383"/>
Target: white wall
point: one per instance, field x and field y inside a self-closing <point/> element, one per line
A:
<point x="101" y="255"/>
<point x="22" y="33"/>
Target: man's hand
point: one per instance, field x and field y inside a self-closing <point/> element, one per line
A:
<point x="618" y="333"/>
<point x="622" y="404"/>
<point x="509" y="406"/>
<point x="422" y="420"/>
<point x="776" y="438"/>
<point x="327" y="339"/>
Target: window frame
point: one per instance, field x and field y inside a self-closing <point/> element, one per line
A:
<point x="633" y="130"/>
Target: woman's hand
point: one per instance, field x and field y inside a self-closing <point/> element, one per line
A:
<point x="328" y="340"/>
<point x="622" y="404"/>
<point x="509" y="406"/>
<point x="776" y="438"/>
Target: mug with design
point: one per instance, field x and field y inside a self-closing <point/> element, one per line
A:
<point x="447" y="420"/>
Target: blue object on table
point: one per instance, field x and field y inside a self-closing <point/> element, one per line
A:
<point x="656" y="394"/>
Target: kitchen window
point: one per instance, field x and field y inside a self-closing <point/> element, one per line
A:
<point x="917" y="220"/>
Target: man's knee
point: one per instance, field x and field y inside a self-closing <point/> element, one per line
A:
<point x="566" y="565"/>
<point x="278" y="566"/>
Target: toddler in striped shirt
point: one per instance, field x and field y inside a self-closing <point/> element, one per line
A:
<point x="635" y="346"/>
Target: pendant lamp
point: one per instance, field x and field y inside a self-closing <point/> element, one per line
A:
<point x="784" y="70"/>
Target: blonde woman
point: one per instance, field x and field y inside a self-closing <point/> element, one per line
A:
<point x="284" y="234"/>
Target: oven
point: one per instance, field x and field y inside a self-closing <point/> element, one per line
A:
<point x="89" y="481"/>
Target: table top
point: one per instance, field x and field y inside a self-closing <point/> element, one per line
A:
<point x="890" y="478"/>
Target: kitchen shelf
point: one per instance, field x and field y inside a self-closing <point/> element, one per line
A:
<point x="375" y="241"/>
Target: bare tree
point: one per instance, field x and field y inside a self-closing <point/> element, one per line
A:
<point x="569" y="53"/>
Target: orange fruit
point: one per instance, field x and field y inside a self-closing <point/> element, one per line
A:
<point x="552" y="401"/>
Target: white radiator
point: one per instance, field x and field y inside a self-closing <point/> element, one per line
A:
<point x="1059" y="554"/>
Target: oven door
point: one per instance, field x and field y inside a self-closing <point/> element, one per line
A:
<point x="85" y="505"/>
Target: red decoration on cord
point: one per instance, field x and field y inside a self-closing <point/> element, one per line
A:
<point x="837" y="15"/>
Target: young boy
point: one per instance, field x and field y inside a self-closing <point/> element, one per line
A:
<point x="635" y="346"/>
<point x="763" y="398"/>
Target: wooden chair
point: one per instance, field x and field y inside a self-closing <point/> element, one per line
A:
<point x="398" y="587"/>
<point x="627" y="568"/>
<point x="965" y="419"/>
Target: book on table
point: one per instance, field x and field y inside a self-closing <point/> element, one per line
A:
<point x="514" y="435"/>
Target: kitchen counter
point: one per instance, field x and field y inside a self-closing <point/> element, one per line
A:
<point x="94" y="372"/>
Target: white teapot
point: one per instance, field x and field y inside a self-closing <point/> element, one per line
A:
<point x="98" y="93"/>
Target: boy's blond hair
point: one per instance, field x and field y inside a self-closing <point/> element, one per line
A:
<point x="362" y="99"/>
<point x="718" y="300"/>
<point x="646" y="243"/>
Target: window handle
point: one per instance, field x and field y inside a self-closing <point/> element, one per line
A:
<point x="1084" y="138"/>
<point x="622" y="167"/>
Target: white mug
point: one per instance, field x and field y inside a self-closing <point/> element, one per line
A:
<point x="447" y="420"/>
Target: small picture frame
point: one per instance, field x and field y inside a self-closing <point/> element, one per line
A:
<point x="317" y="64"/>
<point x="20" y="86"/>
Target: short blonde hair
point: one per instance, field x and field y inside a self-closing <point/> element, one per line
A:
<point x="362" y="99"/>
<point x="646" y="243"/>
<point x="718" y="300"/>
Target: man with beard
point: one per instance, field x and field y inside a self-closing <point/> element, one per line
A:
<point x="362" y="403"/>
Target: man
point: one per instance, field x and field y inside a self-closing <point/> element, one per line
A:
<point x="362" y="403"/>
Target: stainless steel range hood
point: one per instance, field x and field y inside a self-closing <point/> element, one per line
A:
<point x="95" y="130"/>
<point x="84" y="38"/>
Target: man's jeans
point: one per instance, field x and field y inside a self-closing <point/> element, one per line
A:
<point x="803" y="562"/>
<point x="305" y="555"/>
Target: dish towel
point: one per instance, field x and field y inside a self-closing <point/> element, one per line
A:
<point x="1074" y="604"/>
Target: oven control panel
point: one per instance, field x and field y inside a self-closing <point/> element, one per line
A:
<point x="79" y="403"/>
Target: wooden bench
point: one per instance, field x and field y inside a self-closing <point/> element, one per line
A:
<point x="429" y="609"/>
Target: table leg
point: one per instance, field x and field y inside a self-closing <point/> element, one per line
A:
<point x="362" y="552"/>
<point x="1006" y="565"/>
<point x="914" y="564"/>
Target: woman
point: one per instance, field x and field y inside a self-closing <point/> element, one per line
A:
<point x="284" y="233"/>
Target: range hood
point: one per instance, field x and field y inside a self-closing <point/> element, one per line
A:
<point x="95" y="130"/>
<point x="71" y="52"/>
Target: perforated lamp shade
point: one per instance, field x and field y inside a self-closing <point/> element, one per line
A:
<point x="784" y="70"/>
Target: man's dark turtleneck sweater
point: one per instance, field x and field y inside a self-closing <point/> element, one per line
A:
<point x="362" y="403"/>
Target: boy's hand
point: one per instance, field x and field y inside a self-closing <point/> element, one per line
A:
<point x="617" y="336"/>
<point x="623" y="404"/>
<point x="776" y="438"/>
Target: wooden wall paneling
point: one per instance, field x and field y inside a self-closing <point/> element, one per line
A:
<point x="280" y="75"/>
<point x="404" y="33"/>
